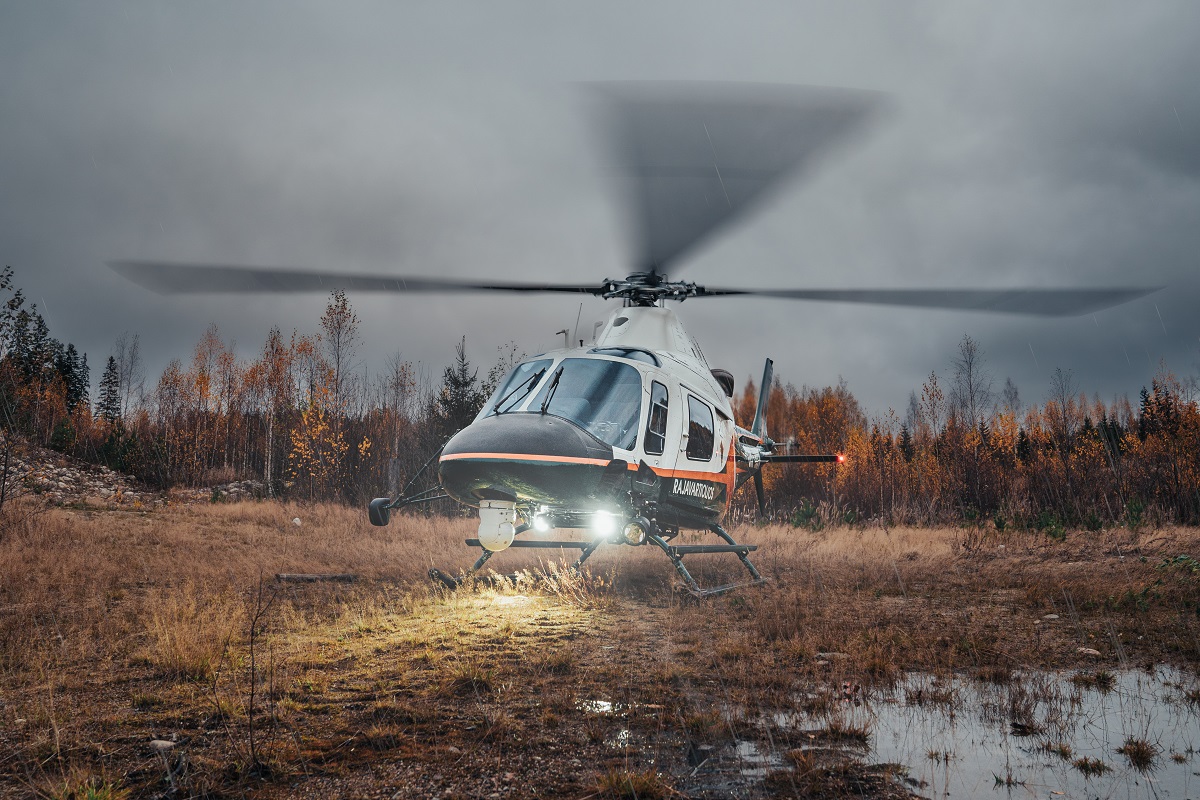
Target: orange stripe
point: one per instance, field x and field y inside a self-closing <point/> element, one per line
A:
<point x="719" y="477"/>
<point x="526" y="457"/>
<point x="692" y="475"/>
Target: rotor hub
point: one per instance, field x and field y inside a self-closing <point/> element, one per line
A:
<point x="649" y="289"/>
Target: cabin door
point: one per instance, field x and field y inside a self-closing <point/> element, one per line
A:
<point x="664" y="422"/>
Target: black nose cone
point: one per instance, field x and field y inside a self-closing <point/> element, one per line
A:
<point x="524" y="457"/>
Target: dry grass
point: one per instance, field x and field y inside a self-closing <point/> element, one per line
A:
<point x="1090" y="767"/>
<point x="188" y="630"/>
<point x="624" y="785"/>
<point x="1141" y="753"/>
<point x="1101" y="681"/>
<point x="132" y="626"/>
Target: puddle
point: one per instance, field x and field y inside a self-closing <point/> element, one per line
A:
<point x="1028" y="736"/>
<point x="596" y="706"/>
<point x="962" y="738"/>
<point x="753" y="762"/>
<point x="606" y="708"/>
<point x="621" y="740"/>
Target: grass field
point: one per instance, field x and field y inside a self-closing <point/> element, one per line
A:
<point x="154" y="654"/>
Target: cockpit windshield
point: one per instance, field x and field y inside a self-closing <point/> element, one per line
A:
<point x="510" y="394"/>
<point x="602" y="397"/>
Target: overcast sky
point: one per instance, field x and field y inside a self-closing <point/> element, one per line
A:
<point x="1043" y="144"/>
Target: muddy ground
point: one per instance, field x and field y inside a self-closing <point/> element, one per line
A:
<point x="153" y="654"/>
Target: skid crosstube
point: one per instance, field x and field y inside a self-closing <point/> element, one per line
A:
<point x="453" y="582"/>
<point x="674" y="552"/>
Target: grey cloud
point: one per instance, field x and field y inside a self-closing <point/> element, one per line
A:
<point x="1051" y="145"/>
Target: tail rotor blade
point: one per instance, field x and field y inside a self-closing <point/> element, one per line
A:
<point x="759" y="428"/>
<point x="758" y="491"/>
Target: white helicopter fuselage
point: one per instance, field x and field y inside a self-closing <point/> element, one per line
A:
<point x="634" y="424"/>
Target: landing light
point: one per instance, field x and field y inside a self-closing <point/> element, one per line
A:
<point x="541" y="523"/>
<point x="604" y="523"/>
<point x="635" y="532"/>
<point x="841" y="458"/>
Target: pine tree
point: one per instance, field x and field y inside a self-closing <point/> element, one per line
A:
<point x="1089" y="427"/>
<point x="906" y="442"/>
<point x="73" y="370"/>
<point x="1024" y="447"/>
<point x="460" y="397"/>
<point x="1145" y="416"/>
<point x="109" y="406"/>
<point x="8" y="311"/>
<point x="1111" y="433"/>
<point x="31" y="348"/>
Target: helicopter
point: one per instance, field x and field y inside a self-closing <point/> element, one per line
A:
<point x="633" y="438"/>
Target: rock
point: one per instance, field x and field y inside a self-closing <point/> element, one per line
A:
<point x="1050" y="616"/>
<point x="161" y="745"/>
<point x="1088" y="651"/>
<point x="296" y="521"/>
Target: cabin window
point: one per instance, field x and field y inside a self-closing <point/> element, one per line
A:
<point x="602" y="397"/>
<point x="701" y="434"/>
<point x="516" y="389"/>
<point x="656" y="423"/>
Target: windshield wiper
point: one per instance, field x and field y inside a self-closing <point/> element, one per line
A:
<point x="551" y="388"/>
<point x="530" y="382"/>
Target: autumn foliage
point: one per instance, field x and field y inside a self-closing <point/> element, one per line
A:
<point x="961" y="455"/>
<point x="305" y="419"/>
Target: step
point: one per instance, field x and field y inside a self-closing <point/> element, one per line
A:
<point x="687" y="549"/>
<point x="540" y="544"/>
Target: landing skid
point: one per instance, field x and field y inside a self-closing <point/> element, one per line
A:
<point x="674" y="552"/>
<point x="678" y="551"/>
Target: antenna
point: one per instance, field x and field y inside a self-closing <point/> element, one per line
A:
<point x="577" y="316"/>
<point x="596" y="328"/>
<point x="564" y="333"/>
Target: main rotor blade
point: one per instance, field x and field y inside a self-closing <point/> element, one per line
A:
<point x="697" y="156"/>
<point x="1036" y="302"/>
<point x="166" y="277"/>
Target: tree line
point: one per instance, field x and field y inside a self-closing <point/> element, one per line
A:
<point x="965" y="453"/>
<point x="306" y="421"/>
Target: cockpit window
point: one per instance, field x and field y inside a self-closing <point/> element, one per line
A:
<point x="512" y="392"/>
<point x="631" y="353"/>
<point x="602" y="397"/>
